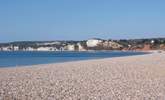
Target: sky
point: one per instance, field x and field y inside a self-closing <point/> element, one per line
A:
<point x="40" y="20"/>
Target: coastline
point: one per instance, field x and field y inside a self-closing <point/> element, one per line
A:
<point x="74" y="61"/>
<point x="29" y="58"/>
<point x="132" y="77"/>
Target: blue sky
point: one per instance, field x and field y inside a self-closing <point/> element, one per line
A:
<point x="22" y="20"/>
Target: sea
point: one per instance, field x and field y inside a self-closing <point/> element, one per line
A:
<point x="26" y="58"/>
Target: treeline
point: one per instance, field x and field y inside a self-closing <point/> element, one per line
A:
<point x="127" y="44"/>
<point x="152" y="43"/>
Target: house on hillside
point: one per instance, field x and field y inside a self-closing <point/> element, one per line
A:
<point x="93" y="42"/>
<point x="80" y="47"/>
<point x="15" y="48"/>
<point x="6" y="48"/>
<point x="71" y="47"/>
<point x="30" y="49"/>
<point x="112" y="45"/>
<point x="46" y="49"/>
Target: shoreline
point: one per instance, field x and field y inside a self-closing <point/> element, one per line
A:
<point x="72" y="61"/>
<point x="130" y="77"/>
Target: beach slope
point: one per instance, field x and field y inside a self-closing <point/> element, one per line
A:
<point x="134" y="77"/>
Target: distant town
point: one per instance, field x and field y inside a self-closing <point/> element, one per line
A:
<point x="85" y="45"/>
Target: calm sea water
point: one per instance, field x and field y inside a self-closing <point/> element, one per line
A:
<point x="22" y="58"/>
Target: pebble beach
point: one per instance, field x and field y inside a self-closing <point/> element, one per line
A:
<point x="140" y="77"/>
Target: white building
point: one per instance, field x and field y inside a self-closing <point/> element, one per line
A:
<point x="8" y="48"/>
<point x="93" y="42"/>
<point x="80" y="47"/>
<point x="71" y="47"/>
<point x="49" y="43"/>
<point x="30" y="49"/>
<point x="111" y="44"/>
<point x="15" y="48"/>
<point x="46" y="49"/>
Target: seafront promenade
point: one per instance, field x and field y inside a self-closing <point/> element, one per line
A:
<point x="140" y="77"/>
